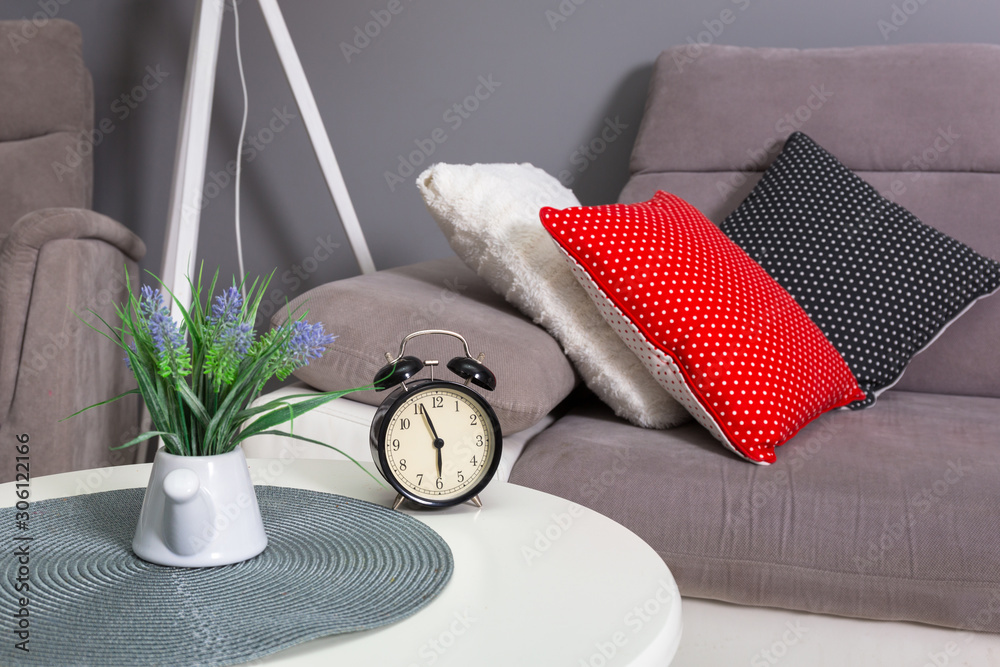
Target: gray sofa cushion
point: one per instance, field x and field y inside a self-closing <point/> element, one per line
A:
<point x="909" y="533"/>
<point x="370" y="315"/>
<point x="918" y="122"/>
<point x="48" y="112"/>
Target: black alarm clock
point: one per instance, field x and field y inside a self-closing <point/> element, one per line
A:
<point x="437" y="442"/>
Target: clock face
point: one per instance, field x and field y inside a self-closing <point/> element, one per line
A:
<point x="440" y="443"/>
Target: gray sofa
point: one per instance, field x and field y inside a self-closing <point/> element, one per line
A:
<point x="885" y="513"/>
<point x="57" y="258"/>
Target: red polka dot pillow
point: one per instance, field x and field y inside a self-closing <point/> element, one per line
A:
<point x="712" y="326"/>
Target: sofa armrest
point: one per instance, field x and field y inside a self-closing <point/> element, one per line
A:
<point x="35" y="229"/>
<point x="19" y="258"/>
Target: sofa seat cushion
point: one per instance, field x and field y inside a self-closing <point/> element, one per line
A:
<point x="371" y="314"/>
<point x="887" y="513"/>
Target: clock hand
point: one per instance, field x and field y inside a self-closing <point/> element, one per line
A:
<point x="438" y="442"/>
<point x="429" y="422"/>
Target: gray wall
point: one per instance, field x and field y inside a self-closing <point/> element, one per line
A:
<point x="563" y="68"/>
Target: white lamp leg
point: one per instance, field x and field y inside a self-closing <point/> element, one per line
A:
<point x="317" y="132"/>
<point x="181" y="245"/>
<point x="183" y="217"/>
<point x="181" y="242"/>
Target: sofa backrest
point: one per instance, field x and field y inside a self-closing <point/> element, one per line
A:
<point x="920" y="122"/>
<point x="46" y="116"/>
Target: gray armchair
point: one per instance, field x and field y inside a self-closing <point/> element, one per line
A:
<point x="57" y="258"/>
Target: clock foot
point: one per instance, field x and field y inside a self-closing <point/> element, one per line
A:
<point x="476" y="501"/>
<point x="399" y="501"/>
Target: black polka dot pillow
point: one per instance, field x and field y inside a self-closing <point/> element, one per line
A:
<point x="715" y="330"/>
<point x="881" y="284"/>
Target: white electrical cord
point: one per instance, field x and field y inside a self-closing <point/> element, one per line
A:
<point x="239" y="147"/>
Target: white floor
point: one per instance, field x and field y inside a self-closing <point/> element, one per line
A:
<point x="719" y="634"/>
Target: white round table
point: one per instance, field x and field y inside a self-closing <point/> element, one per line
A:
<point x="537" y="581"/>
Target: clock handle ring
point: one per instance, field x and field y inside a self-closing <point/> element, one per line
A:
<point x="402" y="346"/>
<point x="403" y="367"/>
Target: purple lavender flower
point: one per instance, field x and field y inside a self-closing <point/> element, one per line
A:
<point x="307" y="341"/>
<point x="229" y="339"/>
<point x="128" y="360"/>
<point x="150" y="301"/>
<point x="231" y="344"/>
<point x="226" y="307"/>
<point x="163" y="330"/>
<point x="237" y="338"/>
<point x="169" y="341"/>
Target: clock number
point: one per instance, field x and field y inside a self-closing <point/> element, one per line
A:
<point x="404" y="424"/>
<point x="456" y="406"/>
<point x="416" y="408"/>
<point x="472" y="418"/>
<point x="402" y="464"/>
<point x="461" y="477"/>
<point x="439" y="484"/>
<point x="395" y="445"/>
<point x="479" y="440"/>
<point x="473" y="461"/>
<point x="437" y="401"/>
<point x="420" y="478"/>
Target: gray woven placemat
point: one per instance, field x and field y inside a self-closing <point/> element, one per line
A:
<point x="332" y="565"/>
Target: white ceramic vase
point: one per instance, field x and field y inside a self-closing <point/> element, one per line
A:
<point x="199" y="511"/>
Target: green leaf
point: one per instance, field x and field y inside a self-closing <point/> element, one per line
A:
<point x="280" y="415"/>
<point x="245" y="386"/>
<point x="250" y="412"/>
<point x="97" y="405"/>
<point x="156" y="403"/>
<point x="192" y="401"/>
<point x="142" y="438"/>
<point x="254" y="296"/>
<point x="240" y="394"/>
<point x="336" y="449"/>
<point x="116" y="340"/>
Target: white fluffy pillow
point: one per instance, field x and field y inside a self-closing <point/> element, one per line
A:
<point x="489" y="213"/>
